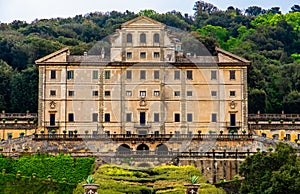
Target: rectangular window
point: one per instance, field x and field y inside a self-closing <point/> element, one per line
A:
<point x="71" y="93"/>
<point x="232" y="74"/>
<point x="189" y="117"/>
<point x="288" y="137"/>
<point x="176" y="75"/>
<point x="156" y="117"/>
<point x="95" y="117"/>
<point x="70" y="74"/>
<point x="95" y="74"/>
<point x="128" y="74"/>
<point x="213" y="93"/>
<point x="106" y="93"/>
<point x="189" y="93"/>
<point x="156" y="54"/>
<point x="156" y="93"/>
<point x="189" y="74"/>
<point x="176" y="93"/>
<point x="213" y="75"/>
<point x="128" y="93"/>
<point x="143" y="55"/>
<point x="71" y="117"/>
<point x="128" y="117"/>
<point x="106" y="117"/>
<point x="156" y="74"/>
<point x="107" y="74"/>
<point x="95" y="93"/>
<point x="52" y="93"/>
<point x="129" y="55"/>
<point x="213" y="117"/>
<point x="232" y="93"/>
<point x="142" y="74"/>
<point x="143" y="93"/>
<point x="53" y="74"/>
<point x="176" y="117"/>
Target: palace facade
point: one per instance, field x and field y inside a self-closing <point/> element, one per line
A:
<point x="146" y="79"/>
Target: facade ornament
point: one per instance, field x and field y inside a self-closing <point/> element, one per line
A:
<point x="52" y="105"/>
<point x="232" y="104"/>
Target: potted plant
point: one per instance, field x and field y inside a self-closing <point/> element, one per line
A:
<point x="75" y="131"/>
<point x="199" y="132"/>
<point x="90" y="187"/>
<point x="25" y="149"/>
<point x="33" y="175"/>
<point x="194" y="186"/>
<point x="64" y="131"/>
<point x="49" y="177"/>
<point x="256" y="121"/>
<point x="18" y="173"/>
<point x="274" y="136"/>
<point x="16" y="120"/>
<point x="221" y="132"/>
<point x="3" y="120"/>
<point x="53" y="131"/>
<point x="64" y="179"/>
<point x="293" y="121"/>
<point x="270" y="121"/>
<point x="1" y="149"/>
<point x="270" y="149"/>
<point x="13" y="149"/>
<point x="42" y="131"/>
<point x="264" y="134"/>
<point x="258" y="149"/>
<point x="9" y="136"/>
<point x="244" y="131"/>
<point x="281" y="121"/>
<point x="296" y="140"/>
<point x="231" y="131"/>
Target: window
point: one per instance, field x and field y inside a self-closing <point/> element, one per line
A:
<point x="213" y="75"/>
<point x="142" y="74"/>
<point x="232" y="93"/>
<point x="129" y="38"/>
<point x="189" y="93"/>
<point x="156" y="74"/>
<point x="128" y="74"/>
<point x="143" y="38"/>
<point x="71" y="117"/>
<point x="106" y="93"/>
<point x="176" y="117"/>
<point x="129" y="55"/>
<point x="128" y="93"/>
<point x="156" y="38"/>
<point x="288" y="136"/>
<point x="71" y="93"/>
<point x="213" y="93"/>
<point x="95" y="117"/>
<point x="156" y="117"/>
<point x="70" y="74"/>
<point x="53" y="74"/>
<point x="128" y="117"/>
<point x="232" y="74"/>
<point x="213" y="117"/>
<point x="106" y="117"/>
<point x="156" y="54"/>
<point x="176" y="93"/>
<point x="95" y="93"/>
<point x="107" y="74"/>
<point x="143" y="93"/>
<point x="143" y="55"/>
<point x="189" y="117"/>
<point x="95" y="74"/>
<point x="52" y="93"/>
<point x="176" y="75"/>
<point x="189" y="74"/>
<point x="156" y="93"/>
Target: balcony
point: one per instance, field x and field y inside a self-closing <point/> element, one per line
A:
<point x="139" y="126"/>
<point x="231" y="127"/>
<point x="51" y="126"/>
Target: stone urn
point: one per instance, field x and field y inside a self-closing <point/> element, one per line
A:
<point x="192" y="188"/>
<point x="90" y="188"/>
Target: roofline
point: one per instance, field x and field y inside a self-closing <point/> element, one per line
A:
<point x="233" y="55"/>
<point x="41" y="60"/>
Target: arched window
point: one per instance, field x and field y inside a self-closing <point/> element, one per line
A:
<point x="143" y="38"/>
<point x="129" y="38"/>
<point x="156" y="38"/>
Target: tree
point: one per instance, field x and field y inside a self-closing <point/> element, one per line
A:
<point x="254" y="11"/>
<point x="201" y="6"/>
<point x="291" y="102"/>
<point x="5" y="78"/>
<point x="295" y="8"/>
<point x="257" y="101"/>
<point x="275" y="172"/>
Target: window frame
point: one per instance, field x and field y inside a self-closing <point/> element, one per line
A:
<point x="232" y="75"/>
<point x="143" y="92"/>
<point x="143" y="74"/>
<point x="156" y="93"/>
<point x="156" y="117"/>
<point x="189" y="117"/>
<point x="176" y="117"/>
<point x="71" y="117"/>
<point x="213" y="75"/>
<point x="156" y="55"/>
<point x="156" y="38"/>
<point x="52" y="74"/>
<point x="71" y="93"/>
<point x="107" y="117"/>
<point x="128" y="117"/>
<point x="95" y="74"/>
<point x="189" y="93"/>
<point x="177" y="93"/>
<point x="107" y="74"/>
<point x="95" y="117"/>
<point x="107" y="93"/>
<point x="156" y="74"/>
<point x="95" y="93"/>
<point x="189" y="74"/>
<point x="129" y="55"/>
<point x="70" y="74"/>
<point x="232" y="93"/>
<point x="52" y="92"/>
<point x="143" y="55"/>
<point x="129" y="38"/>
<point x="143" y="38"/>
<point x="214" y="117"/>
<point x="176" y="75"/>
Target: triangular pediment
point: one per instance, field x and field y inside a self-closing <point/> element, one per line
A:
<point x="58" y="56"/>
<point x="142" y="21"/>
<point x="228" y="57"/>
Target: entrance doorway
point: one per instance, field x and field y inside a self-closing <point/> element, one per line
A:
<point x="52" y="119"/>
<point x="232" y="120"/>
<point x="142" y="118"/>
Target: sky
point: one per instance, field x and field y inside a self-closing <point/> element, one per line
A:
<point x="29" y="10"/>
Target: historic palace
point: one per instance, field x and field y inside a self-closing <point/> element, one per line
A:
<point x="145" y="79"/>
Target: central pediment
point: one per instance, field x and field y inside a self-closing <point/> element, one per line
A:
<point x="142" y="21"/>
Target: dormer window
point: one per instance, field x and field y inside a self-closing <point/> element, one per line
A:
<point x="156" y="38"/>
<point x="129" y="38"/>
<point x="143" y="38"/>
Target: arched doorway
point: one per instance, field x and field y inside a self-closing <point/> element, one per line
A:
<point x="142" y="149"/>
<point x="161" y="149"/>
<point x="124" y="149"/>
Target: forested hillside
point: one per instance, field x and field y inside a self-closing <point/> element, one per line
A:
<point x="268" y="38"/>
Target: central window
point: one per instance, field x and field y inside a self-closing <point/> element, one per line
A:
<point x="143" y="55"/>
<point x="142" y="74"/>
<point x="143" y="38"/>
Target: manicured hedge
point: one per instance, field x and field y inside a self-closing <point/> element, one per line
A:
<point x="62" y="166"/>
